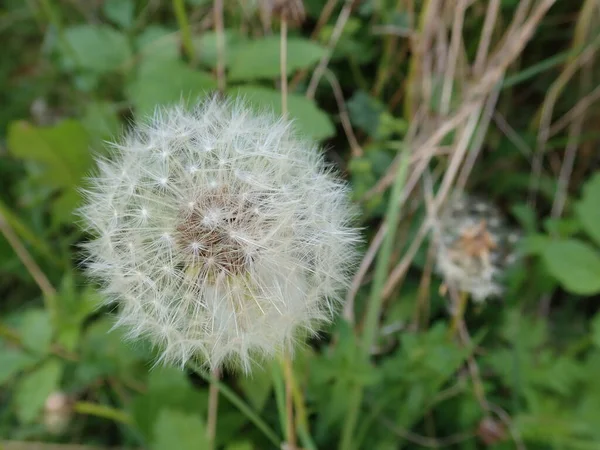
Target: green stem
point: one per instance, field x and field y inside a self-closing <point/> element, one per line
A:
<point x="103" y="411"/>
<point x="375" y="301"/>
<point x="459" y="312"/>
<point x="239" y="404"/>
<point x="184" y="27"/>
<point x="279" y="388"/>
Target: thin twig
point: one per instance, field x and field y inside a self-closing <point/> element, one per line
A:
<point x="323" y="17"/>
<point x="355" y="147"/>
<point x="512" y="135"/>
<point x="547" y="110"/>
<point x="335" y="35"/>
<point x="348" y="312"/>
<point x="580" y="108"/>
<point x="457" y="29"/>
<point x="426" y="441"/>
<point x="570" y="152"/>
<point x="34" y="270"/>
<point x="486" y="36"/>
<point x="505" y="418"/>
<point x="477" y="141"/>
<point x="220" y="36"/>
<point x="283" y="65"/>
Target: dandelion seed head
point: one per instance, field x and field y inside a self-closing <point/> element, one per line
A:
<point x="221" y="234"/>
<point x="474" y="247"/>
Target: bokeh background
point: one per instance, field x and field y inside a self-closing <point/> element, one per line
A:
<point x="414" y="101"/>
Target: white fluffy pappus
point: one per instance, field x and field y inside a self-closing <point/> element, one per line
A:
<point x="474" y="247"/>
<point x="221" y="235"/>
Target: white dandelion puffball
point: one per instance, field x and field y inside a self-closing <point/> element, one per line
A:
<point x="219" y="233"/>
<point x="474" y="248"/>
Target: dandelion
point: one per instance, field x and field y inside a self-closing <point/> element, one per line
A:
<point x="220" y="234"/>
<point x="474" y="247"/>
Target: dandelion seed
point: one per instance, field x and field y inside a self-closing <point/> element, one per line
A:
<point x="234" y="262"/>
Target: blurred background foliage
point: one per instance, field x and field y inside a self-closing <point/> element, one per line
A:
<point x="74" y="73"/>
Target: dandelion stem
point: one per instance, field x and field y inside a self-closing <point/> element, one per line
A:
<point x="213" y="408"/>
<point x="375" y="302"/>
<point x="240" y="405"/>
<point x="290" y="428"/>
<point x="283" y="66"/>
<point x="184" y="27"/>
<point x="458" y="312"/>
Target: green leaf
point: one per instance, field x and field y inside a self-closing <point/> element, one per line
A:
<point x="206" y="47"/>
<point x="158" y="42"/>
<point x="74" y="307"/>
<point x="12" y="361"/>
<point x="588" y="208"/>
<point x="161" y="82"/>
<point x="62" y="150"/>
<point x="308" y="118"/>
<point x="365" y="112"/>
<point x="253" y="60"/>
<point x="257" y="388"/>
<point x="34" y="388"/>
<point x="239" y="446"/>
<point x="596" y="330"/>
<point x="36" y="331"/>
<point x="100" y="120"/>
<point x="120" y="12"/>
<point x="167" y="388"/>
<point x="104" y="352"/>
<point x="98" y="48"/>
<point x="177" y="430"/>
<point x="575" y="265"/>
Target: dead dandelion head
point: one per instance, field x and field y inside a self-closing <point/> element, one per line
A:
<point x="474" y="247"/>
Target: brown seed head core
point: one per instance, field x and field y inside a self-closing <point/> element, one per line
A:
<point x="205" y="234"/>
<point x="472" y="249"/>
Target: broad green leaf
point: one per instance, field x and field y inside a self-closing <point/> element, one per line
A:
<point x="160" y="82"/>
<point x="257" y="388"/>
<point x="36" y="331"/>
<point x="596" y="330"/>
<point x="365" y="112"/>
<point x="240" y="446"/>
<point x="63" y="152"/>
<point x="206" y="47"/>
<point x="575" y="265"/>
<point x="101" y="121"/>
<point x="253" y="60"/>
<point x="168" y="387"/>
<point x="104" y="352"/>
<point x="34" y="388"/>
<point x="74" y="306"/>
<point x="98" y="48"/>
<point x="120" y="12"/>
<point x="588" y="208"/>
<point x="12" y="361"/>
<point x="62" y="148"/>
<point x="308" y="118"/>
<point x="158" y="43"/>
<point x="177" y="430"/>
